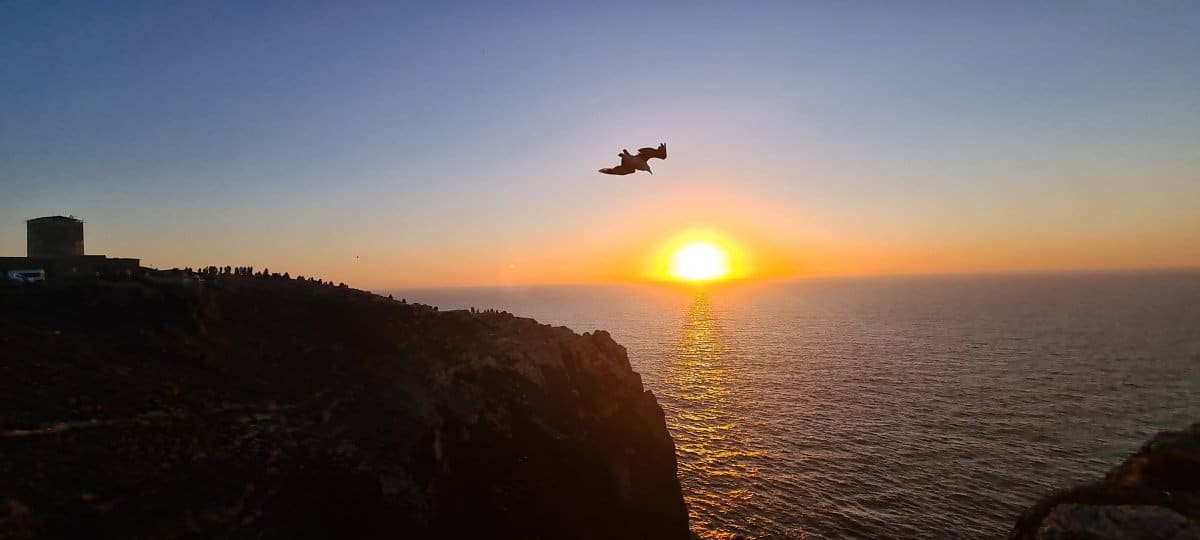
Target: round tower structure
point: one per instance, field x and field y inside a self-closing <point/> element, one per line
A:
<point x="54" y="236"/>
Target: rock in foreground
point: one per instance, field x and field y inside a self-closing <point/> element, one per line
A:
<point x="271" y="408"/>
<point x="1153" y="495"/>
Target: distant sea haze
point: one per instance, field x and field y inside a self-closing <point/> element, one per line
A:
<point x="892" y="407"/>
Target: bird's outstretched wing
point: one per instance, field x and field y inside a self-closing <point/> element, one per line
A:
<point x="647" y="153"/>
<point x="619" y="169"/>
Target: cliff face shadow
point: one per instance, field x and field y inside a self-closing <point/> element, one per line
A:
<point x="276" y="408"/>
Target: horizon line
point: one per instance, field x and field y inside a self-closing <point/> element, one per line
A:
<point x="793" y="278"/>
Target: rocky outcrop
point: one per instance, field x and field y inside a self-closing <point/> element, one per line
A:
<point x="1155" y="494"/>
<point x="264" y="407"/>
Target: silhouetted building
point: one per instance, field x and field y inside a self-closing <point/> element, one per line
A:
<point x="54" y="236"/>
<point x="81" y="266"/>
<point x="55" y="244"/>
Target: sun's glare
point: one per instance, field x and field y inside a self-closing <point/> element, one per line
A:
<point x="699" y="261"/>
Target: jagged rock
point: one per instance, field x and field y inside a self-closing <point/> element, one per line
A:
<point x="1155" y="494"/>
<point x="245" y="407"/>
<point x="1099" y="522"/>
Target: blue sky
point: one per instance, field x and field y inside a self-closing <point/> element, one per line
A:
<point x="442" y="143"/>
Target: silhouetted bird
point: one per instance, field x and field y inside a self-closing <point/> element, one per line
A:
<point x="631" y="163"/>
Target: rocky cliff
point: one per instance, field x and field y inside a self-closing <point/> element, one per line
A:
<point x="1153" y="495"/>
<point x="273" y="408"/>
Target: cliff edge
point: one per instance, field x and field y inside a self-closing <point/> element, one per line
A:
<point x="273" y="408"/>
<point x="1153" y="495"/>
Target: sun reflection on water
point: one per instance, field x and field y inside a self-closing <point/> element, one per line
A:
<point x="714" y="455"/>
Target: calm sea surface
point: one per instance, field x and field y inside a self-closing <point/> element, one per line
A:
<point x="892" y="407"/>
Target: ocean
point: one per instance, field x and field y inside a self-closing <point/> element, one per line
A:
<point x="905" y="407"/>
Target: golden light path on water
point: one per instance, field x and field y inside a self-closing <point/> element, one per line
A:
<point x="698" y="378"/>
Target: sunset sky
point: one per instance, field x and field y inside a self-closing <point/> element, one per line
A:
<point x="393" y="145"/>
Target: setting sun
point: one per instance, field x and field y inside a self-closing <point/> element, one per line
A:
<point x="699" y="261"/>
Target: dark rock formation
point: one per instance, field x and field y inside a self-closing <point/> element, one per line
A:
<point x="242" y="407"/>
<point x="1155" y="494"/>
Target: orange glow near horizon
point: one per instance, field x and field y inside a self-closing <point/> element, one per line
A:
<point x="635" y="242"/>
